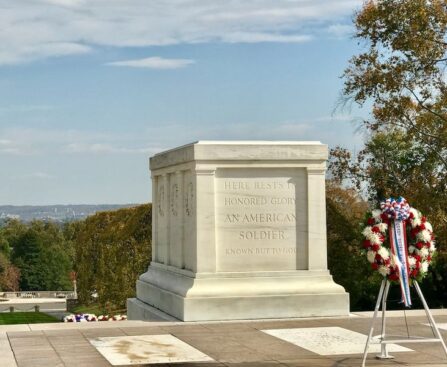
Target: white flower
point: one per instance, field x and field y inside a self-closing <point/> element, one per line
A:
<point x="411" y="261"/>
<point x="432" y="246"/>
<point x="383" y="227"/>
<point x="424" y="236"/>
<point x="415" y="213"/>
<point x="371" y="256"/>
<point x="424" y="252"/>
<point x="371" y="236"/>
<point x="367" y="232"/>
<point x="428" y="226"/>
<point x="384" y="253"/>
<point x="416" y="222"/>
<point x="384" y="270"/>
<point x="424" y="266"/>
<point x="376" y="214"/>
<point x="411" y="249"/>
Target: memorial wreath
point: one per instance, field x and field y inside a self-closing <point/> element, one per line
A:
<point x="387" y="247"/>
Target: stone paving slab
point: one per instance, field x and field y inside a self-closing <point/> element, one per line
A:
<point x="237" y="344"/>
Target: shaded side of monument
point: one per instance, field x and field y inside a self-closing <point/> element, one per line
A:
<point x="239" y="232"/>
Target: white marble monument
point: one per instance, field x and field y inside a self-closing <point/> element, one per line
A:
<point x="239" y="232"/>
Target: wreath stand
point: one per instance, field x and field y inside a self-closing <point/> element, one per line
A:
<point x="382" y="298"/>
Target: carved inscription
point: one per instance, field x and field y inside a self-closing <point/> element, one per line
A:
<point x="256" y="222"/>
<point x="256" y="209"/>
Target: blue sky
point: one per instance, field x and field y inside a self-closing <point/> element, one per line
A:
<point x="89" y="90"/>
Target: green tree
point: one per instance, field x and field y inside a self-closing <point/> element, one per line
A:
<point x="9" y="274"/>
<point x="111" y="250"/>
<point x="348" y="265"/>
<point x="402" y="70"/>
<point x="401" y="73"/>
<point x="41" y="254"/>
<point x="394" y="165"/>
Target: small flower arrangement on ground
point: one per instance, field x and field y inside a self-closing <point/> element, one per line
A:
<point x="86" y="317"/>
<point x="112" y="318"/>
<point x="81" y="317"/>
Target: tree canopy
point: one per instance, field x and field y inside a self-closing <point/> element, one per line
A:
<point x="42" y="255"/>
<point x="402" y="70"/>
<point x="401" y="75"/>
<point x="112" y="249"/>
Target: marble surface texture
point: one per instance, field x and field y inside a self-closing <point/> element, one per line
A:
<point x="331" y="340"/>
<point x="147" y="349"/>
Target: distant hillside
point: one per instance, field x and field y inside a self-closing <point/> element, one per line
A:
<point x="57" y="213"/>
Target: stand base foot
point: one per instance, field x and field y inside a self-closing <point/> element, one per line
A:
<point x="384" y="356"/>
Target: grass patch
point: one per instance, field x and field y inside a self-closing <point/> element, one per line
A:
<point x="97" y="310"/>
<point x="10" y="318"/>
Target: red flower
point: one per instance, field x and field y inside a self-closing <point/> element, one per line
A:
<point x="366" y="244"/>
<point x="393" y="276"/>
<point x="378" y="257"/>
<point x="411" y="215"/>
<point x="419" y="245"/>
<point x="423" y="219"/>
<point x="371" y="221"/>
<point x="414" y="273"/>
<point x="421" y="227"/>
<point x="384" y="217"/>
<point x="414" y="232"/>
<point x="374" y="266"/>
<point x="375" y="247"/>
<point x="428" y="258"/>
<point x="375" y="229"/>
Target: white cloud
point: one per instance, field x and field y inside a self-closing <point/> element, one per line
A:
<point x="37" y="29"/>
<point x="341" y="30"/>
<point x="40" y="142"/>
<point x="332" y="130"/>
<point x="247" y="37"/>
<point x="104" y="148"/>
<point x="36" y="175"/>
<point x="154" y="63"/>
<point x="334" y="117"/>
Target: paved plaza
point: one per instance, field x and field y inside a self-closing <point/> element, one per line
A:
<point x="292" y="342"/>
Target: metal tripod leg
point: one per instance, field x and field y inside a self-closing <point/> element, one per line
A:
<point x="376" y="311"/>
<point x="383" y="347"/>
<point x="430" y="317"/>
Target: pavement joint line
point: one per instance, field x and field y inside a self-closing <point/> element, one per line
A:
<point x="55" y="350"/>
<point x="12" y="350"/>
<point x="358" y="316"/>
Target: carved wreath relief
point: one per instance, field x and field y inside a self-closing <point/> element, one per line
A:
<point x="174" y="199"/>
<point x="161" y="201"/>
<point x="189" y="199"/>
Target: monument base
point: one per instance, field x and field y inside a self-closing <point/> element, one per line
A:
<point x="232" y="296"/>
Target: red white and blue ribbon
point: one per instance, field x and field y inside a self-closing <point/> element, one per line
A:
<point x="399" y="211"/>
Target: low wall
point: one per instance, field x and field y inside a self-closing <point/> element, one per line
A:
<point x="29" y="304"/>
<point x="39" y="294"/>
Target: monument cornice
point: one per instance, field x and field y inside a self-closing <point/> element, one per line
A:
<point x="273" y="151"/>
